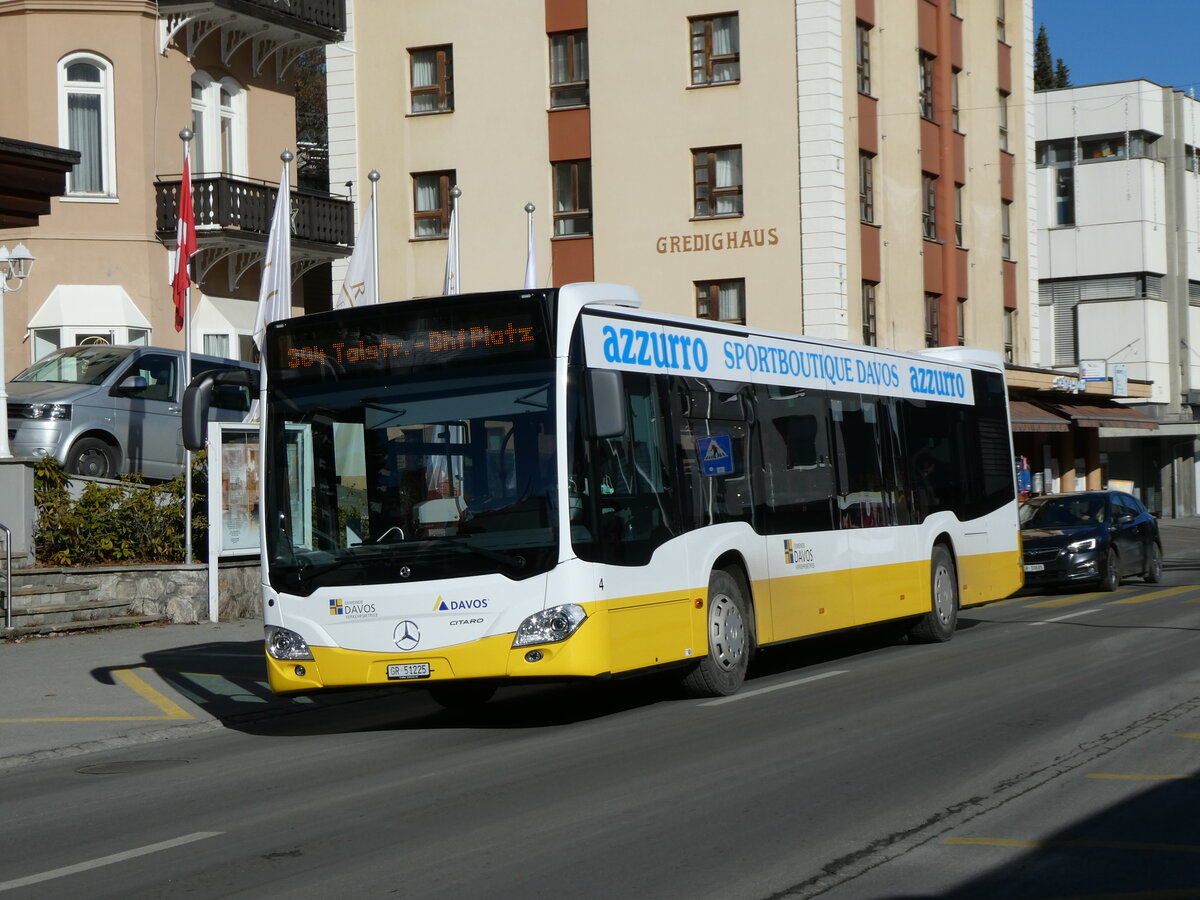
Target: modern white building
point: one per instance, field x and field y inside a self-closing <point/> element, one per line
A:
<point x="1119" y="266"/>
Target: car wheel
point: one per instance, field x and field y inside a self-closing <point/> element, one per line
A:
<point x="92" y="457"/>
<point x="1111" y="579"/>
<point x="1154" y="565"/>
<point x="722" y="671"/>
<point x="939" y="623"/>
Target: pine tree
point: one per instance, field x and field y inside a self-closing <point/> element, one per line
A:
<point x="1062" y="74"/>
<point x="1043" y="63"/>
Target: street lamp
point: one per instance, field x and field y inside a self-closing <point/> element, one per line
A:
<point x="13" y="266"/>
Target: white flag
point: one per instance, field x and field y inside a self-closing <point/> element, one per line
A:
<point x="358" y="286"/>
<point x="275" y="291"/>
<point x="450" y="282"/>
<point x="531" y="280"/>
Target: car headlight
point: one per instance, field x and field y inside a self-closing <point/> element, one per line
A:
<point x="284" y="644"/>
<point x="1080" y="546"/>
<point x="550" y="625"/>
<point x="40" y="410"/>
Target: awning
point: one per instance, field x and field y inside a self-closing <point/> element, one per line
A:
<point x="88" y="306"/>
<point x="1028" y="417"/>
<point x="1104" y="415"/>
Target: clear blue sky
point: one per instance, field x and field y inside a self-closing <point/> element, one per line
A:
<point x="1107" y="40"/>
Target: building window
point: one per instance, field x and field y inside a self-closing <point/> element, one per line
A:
<point x="717" y="181"/>
<point x="573" y="197"/>
<point x="863" y="57"/>
<point x="866" y="187"/>
<point x="219" y="125"/>
<point x="958" y="215"/>
<point x="955" y="120"/>
<point x="1003" y="121"/>
<point x="716" y="57"/>
<point x="723" y="301"/>
<point x="568" y="69"/>
<point x="1010" y="330"/>
<point x="932" y="315"/>
<point x="85" y="123"/>
<point x="929" y="206"/>
<point x="1001" y="28"/>
<point x="869" y="335"/>
<point x="925" y="84"/>
<point x="1064" y="196"/>
<point x="1006" y="228"/>
<point x="961" y="312"/>
<point x="432" y="70"/>
<point x="431" y="203"/>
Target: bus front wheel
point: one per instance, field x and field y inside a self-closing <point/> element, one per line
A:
<point x="723" y="670"/>
<point x="939" y="623"/>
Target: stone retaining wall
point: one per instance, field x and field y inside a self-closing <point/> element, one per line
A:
<point x="177" y="592"/>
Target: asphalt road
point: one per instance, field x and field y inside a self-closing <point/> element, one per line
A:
<point x="1051" y="750"/>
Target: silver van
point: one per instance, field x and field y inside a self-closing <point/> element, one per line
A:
<point x="104" y="409"/>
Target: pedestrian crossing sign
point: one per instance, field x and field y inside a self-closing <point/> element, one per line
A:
<point x="716" y="454"/>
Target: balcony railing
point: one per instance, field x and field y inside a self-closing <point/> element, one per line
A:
<point x="227" y="208"/>
<point x="325" y="18"/>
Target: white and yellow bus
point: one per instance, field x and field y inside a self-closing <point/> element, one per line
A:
<point x="477" y="490"/>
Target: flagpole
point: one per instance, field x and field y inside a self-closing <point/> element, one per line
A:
<point x="530" y="259"/>
<point x="373" y="177"/>
<point x="186" y="136"/>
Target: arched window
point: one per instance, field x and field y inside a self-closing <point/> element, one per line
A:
<point x="85" y="123"/>
<point x="219" y="122"/>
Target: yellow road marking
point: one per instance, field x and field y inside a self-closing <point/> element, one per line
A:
<point x="1083" y="845"/>
<point x="1156" y="595"/>
<point x="1189" y="734"/>
<point x="170" y="709"/>
<point x="1142" y="777"/>
<point x="1073" y="600"/>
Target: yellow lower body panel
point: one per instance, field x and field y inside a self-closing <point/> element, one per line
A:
<point x="619" y="636"/>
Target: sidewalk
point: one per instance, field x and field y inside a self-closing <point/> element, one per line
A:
<point x="68" y="694"/>
<point x="71" y="694"/>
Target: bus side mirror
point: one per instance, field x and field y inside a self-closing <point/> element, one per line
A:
<point x="606" y="391"/>
<point x="198" y="398"/>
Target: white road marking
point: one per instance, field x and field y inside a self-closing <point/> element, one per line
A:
<point x="774" y="687"/>
<point x="1081" y="612"/>
<point x="107" y="860"/>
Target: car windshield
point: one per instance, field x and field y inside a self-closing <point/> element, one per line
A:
<point x="1062" y="512"/>
<point x="76" y="365"/>
<point x="439" y="477"/>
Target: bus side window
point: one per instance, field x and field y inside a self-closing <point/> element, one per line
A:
<point x="797" y="461"/>
<point x="633" y="491"/>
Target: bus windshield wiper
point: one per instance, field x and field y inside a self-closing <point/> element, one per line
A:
<point x="512" y="560"/>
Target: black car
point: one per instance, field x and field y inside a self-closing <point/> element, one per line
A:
<point x="1089" y="537"/>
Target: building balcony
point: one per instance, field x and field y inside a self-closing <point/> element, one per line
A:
<point x="233" y="222"/>
<point x="274" y="29"/>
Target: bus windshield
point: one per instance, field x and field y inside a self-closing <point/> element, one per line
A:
<point x="384" y="480"/>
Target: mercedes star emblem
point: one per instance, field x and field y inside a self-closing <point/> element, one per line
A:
<point x="407" y="635"/>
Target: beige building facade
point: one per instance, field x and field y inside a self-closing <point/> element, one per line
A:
<point x="853" y="170"/>
<point x="118" y="80"/>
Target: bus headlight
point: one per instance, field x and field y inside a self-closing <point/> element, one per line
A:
<point x="550" y="625"/>
<point x="284" y="644"/>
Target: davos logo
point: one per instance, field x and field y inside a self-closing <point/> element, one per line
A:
<point x="654" y="349"/>
<point x="456" y="605"/>
<point x="339" y="607"/>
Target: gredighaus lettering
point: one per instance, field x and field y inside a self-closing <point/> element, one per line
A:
<point x="722" y="240"/>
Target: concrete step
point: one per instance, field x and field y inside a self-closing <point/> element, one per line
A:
<point x="108" y="622"/>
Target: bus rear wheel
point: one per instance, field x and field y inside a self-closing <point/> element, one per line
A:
<point x="722" y="671"/>
<point x="939" y="623"/>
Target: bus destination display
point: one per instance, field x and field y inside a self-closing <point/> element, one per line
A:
<point x="376" y="344"/>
